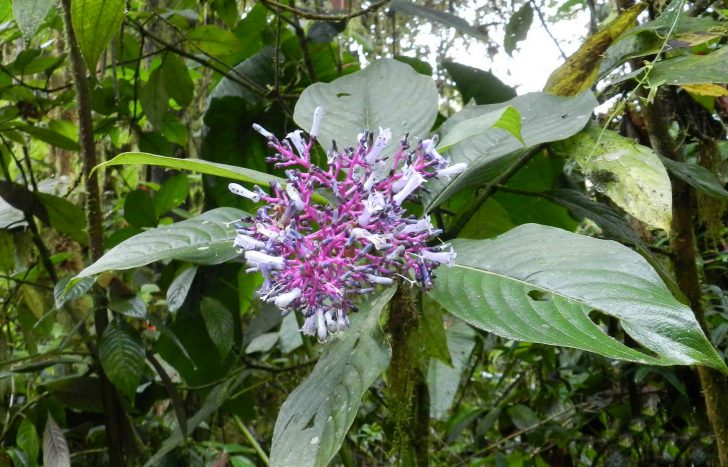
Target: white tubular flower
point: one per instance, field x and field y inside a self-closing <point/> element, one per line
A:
<point x="257" y="257"/>
<point x="428" y="146"/>
<point x="295" y="197"/>
<point x="318" y="114"/>
<point x="380" y="279"/>
<point x="331" y="324"/>
<point x="297" y="140"/>
<point x="421" y="225"/>
<point x="414" y="180"/>
<point x="285" y="299"/>
<point x="374" y="203"/>
<point x="247" y="243"/>
<point x="309" y="326"/>
<point x="452" y="170"/>
<point x="240" y="190"/>
<point x="378" y="174"/>
<point x="265" y="231"/>
<point x="321" y="330"/>
<point x="342" y="320"/>
<point x="382" y="140"/>
<point x="378" y="240"/>
<point x="267" y="134"/>
<point x="442" y="257"/>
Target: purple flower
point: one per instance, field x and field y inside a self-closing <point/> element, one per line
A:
<point x="315" y="259"/>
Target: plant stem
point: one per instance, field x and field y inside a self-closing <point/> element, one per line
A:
<point x="251" y="439"/>
<point x="685" y="257"/>
<point x="408" y="400"/>
<point x="113" y="414"/>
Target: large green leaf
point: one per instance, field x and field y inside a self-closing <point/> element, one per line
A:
<point x="179" y="288"/>
<point x="314" y="419"/>
<point x="96" y="22"/>
<point x="207" y="239"/>
<point x="540" y="284"/>
<point x="29" y="14"/>
<point x="121" y="352"/>
<point x="629" y="173"/>
<point x="506" y="118"/>
<point x="443" y="380"/>
<point x="386" y="94"/>
<point x="27" y="440"/>
<point x="692" y="69"/>
<point x="193" y="165"/>
<point x="545" y="118"/>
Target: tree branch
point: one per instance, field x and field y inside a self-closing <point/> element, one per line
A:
<point x="325" y="17"/>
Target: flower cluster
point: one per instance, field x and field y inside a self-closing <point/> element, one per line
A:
<point x="316" y="258"/>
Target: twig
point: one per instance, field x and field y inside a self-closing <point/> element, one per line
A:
<point x="179" y="409"/>
<point x="251" y="439"/>
<point x="325" y="17"/>
<point x="546" y="28"/>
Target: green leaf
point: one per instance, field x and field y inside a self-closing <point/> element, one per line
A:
<point x="629" y="173"/>
<point x="540" y="284"/>
<point x="95" y="23"/>
<point x="139" y="209"/>
<point x="171" y="194"/>
<point x="55" y="447"/>
<point x="219" y="323"/>
<point x="132" y="306"/>
<point x="289" y="336"/>
<point x="545" y="118"/>
<point x="506" y="118"/>
<point x="214" y="40"/>
<point x="193" y="165"/>
<point x="63" y="293"/>
<point x="443" y="380"/>
<point x="207" y="239"/>
<point x="177" y="81"/>
<point x="687" y="69"/>
<point x="698" y="177"/>
<point x="29" y="14"/>
<point x="437" y="16"/>
<point x="482" y="86"/>
<point x="179" y="288"/>
<point x="121" y="352"/>
<point x="386" y="94"/>
<point x="581" y="69"/>
<point x="316" y="416"/>
<point x="154" y="99"/>
<point x="27" y="440"/>
<point x="48" y="136"/>
<point x="64" y="216"/>
<point x="523" y="417"/>
<point x="517" y="27"/>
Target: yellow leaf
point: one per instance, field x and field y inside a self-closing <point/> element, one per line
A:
<point x="707" y="89"/>
<point x="579" y="72"/>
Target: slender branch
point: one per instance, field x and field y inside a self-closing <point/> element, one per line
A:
<point x="179" y="408"/>
<point x="251" y="439"/>
<point x="325" y="17"/>
<point x="462" y="219"/>
<point x="546" y="28"/>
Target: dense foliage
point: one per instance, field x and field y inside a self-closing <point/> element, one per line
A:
<point x="150" y="316"/>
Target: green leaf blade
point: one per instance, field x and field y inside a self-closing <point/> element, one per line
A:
<point x="316" y="416"/>
<point x="207" y="239"/>
<point x="121" y="352"/>
<point x="95" y="23"/>
<point x="516" y="286"/>
<point x="506" y="118"/>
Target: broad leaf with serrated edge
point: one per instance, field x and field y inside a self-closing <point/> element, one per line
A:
<point x="121" y="352"/>
<point x="95" y="23"/>
<point x="316" y="416"/>
<point x="545" y="118"/>
<point x="539" y="284"/>
<point x="207" y="239"/>
<point x="386" y="94"/>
